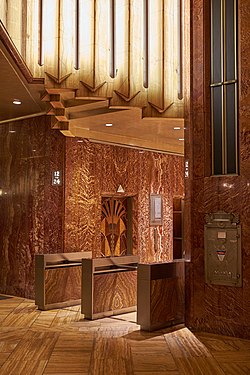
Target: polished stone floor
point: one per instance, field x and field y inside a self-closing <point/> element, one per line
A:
<point x="34" y="342"/>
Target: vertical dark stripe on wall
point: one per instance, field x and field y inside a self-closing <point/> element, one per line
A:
<point x="24" y="28"/>
<point x="180" y="52"/>
<point x="146" y="43"/>
<point x="77" y="37"/>
<point x="40" y="36"/>
<point x="112" y="72"/>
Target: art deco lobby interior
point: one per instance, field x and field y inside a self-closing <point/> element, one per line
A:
<point x="124" y="187"/>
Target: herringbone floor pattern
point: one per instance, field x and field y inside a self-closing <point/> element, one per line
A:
<point x="61" y="342"/>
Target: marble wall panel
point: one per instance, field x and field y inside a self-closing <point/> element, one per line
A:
<point x="212" y="308"/>
<point x="31" y="209"/>
<point x="93" y="170"/>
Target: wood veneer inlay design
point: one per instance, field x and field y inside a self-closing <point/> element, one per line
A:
<point x="114" y="224"/>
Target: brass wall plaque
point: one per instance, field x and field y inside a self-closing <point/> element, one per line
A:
<point x="223" y="249"/>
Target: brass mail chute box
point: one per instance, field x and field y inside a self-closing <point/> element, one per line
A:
<point x="223" y="249"/>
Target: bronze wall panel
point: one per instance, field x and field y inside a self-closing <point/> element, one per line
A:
<point x="219" y="309"/>
<point x="63" y="284"/>
<point x="114" y="291"/>
<point x="93" y="170"/>
<point x="31" y="209"/>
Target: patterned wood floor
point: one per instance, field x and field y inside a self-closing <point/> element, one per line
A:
<point x="62" y="342"/>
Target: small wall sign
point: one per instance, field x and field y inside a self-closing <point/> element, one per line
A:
<point x="155" y="209"/>
<point x="57" y="178"/>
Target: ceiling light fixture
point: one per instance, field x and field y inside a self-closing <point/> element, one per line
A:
<point x="181" y="139"/>
<point x="108" y="125"/>
<point x="177" y="128"/>
<point x="12" y="131"/>
<point x="17" y="101"/>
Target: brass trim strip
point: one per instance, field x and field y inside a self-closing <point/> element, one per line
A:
<point x="223" y="83"/>
<point x="216" y="84"/>
<point x="230" y="82"/>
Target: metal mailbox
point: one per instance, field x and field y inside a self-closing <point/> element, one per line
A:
<point x="223" y="249"/>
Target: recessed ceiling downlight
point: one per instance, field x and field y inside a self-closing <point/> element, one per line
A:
<point x="17" y="101"/>
<point x="177" y="128"/>
<point x="108" y="124"/>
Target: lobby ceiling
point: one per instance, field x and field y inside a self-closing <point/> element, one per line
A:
<point x="16" y="82"/>
<point x="129" y="127"/>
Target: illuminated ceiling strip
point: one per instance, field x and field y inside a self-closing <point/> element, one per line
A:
<point x="180" y="51"/>
<point x="112" y="39"/>
<point x="77" y="36"/>
<point x="40" y="36"/>
<point x="146" y="43"/>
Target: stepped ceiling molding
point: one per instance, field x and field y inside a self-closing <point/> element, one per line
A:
<point x="119" y="62"/>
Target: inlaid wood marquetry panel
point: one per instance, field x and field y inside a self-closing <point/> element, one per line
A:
<point x="114" y="224"/>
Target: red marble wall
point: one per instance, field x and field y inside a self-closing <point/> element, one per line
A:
<point x="31" y="209"/>
<point x="94" y="169"/>
<point x="211" y="308"/>
<point x="37" y="217"/>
